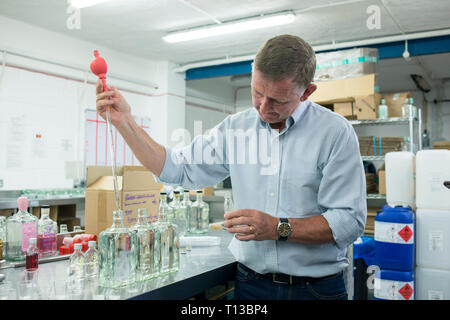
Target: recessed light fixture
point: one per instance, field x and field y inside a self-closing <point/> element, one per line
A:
<point x="85" y="3"/>
<point x="230" y="27"/>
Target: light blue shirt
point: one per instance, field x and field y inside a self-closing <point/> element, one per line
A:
<point x="315" y="168"/>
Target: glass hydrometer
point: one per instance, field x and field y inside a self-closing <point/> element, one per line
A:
<point x="99" y="68"/>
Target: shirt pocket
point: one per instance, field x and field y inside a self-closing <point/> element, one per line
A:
<point x="300" y="192"/>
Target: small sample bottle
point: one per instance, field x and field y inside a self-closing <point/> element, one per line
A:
<point x="228" y="202"/>
<point x="47" y="230"/>
<point x="199" y="220"/>
<point x="32" y="255"/>
<point x="63" y="232"/>
<point x="77" y="270"/>
<point x="92" y="260"/>
<point x="383" y="112"/>
<point x="20" y="227"/>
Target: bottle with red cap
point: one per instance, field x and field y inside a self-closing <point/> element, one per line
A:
<point x="20" y="227"/>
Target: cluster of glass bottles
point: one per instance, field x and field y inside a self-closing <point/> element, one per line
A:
<point x="148" y="250"/>
<point x="22" y="226"/>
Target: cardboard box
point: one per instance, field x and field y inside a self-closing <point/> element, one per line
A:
<point x="365" y="107"/>
<point x="137" y="189"/>
<point x="441" y="145"/>
<point x="370" y="220"/>
<point x="394" y="101"/>
<point x="208" y="191"/>
<point x="379" y="146"/>
<point x="382" y="182"/>
<point x="343" y="89"/>
<point x="343" y="108"/>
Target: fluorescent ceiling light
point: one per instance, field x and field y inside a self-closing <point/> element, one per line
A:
<point x="85" y="3"/>
<point x="226" y="28"/>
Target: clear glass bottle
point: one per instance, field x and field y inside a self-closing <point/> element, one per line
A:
<point x="20" y="227"/>
<point x="32" y="255"/>
<point x="92" y="258"/>
<point x="199" y="219"/>
<point x="77" y="271"/>
<point x="47" y="230"/>
<point x="63" y="232"/>
<point x="179" y="211"/>
<point x="117" y="246"/>
<point x="148" y="239"/>
<point x="2" y="234"/>
<point x="228" y="202"/>
<point x="170" y="253"/>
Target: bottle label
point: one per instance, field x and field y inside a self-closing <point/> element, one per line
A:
<point x="401" y="233"/>
<point x="29" y="230"/>
<point x="393" y="290"/>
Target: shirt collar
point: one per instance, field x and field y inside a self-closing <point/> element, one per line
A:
<point x="293" y="118"/>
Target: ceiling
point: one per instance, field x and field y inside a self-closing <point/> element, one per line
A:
<point x="136" y="26"/>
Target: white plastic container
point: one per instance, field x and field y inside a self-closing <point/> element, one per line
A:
<point x="400" y="179"/>
<point x="433" y="168"/>
<point x="433" y="238"/>
<point x="432" y="284"/>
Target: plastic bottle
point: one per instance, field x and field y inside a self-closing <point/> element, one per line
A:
<point x="383" y="112"/>
<point x="92" y="257"/>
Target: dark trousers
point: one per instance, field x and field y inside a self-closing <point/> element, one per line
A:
<point x="249" y="285"/>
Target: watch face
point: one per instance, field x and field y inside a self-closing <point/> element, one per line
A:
<point x="284" y="229"/>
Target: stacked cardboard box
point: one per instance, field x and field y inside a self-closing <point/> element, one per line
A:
<point x="353" y="98"/>
<point x="371" y="185"/>
<point x="441" y="145"/>
<point x="382" y="180"/>
<point x="379" y="146"/>
<point x="370" y="221"/>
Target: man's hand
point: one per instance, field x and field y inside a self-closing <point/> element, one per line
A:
<point x="120" y="109"/>
<point x="248" y="224"/>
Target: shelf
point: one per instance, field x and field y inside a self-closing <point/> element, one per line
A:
<point x="376" y="196"/>
<point x="373" y="158"/>
<point x="389" y="121"/>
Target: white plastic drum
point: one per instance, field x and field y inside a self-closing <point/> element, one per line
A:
<point x="400" y="179"/>
<point x="432" y="171"/>
<point x="432" y="284"/>
<point x="433" y="238"/>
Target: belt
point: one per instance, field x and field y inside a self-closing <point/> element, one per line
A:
<point x="288" y="279"/>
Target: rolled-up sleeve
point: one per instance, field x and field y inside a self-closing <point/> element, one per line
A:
<point x="342" y="191"/>
<point x="198" y="165"/>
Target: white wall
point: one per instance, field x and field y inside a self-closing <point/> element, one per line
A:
<point x="41" y="103"/>
<point x="208" y="101"/>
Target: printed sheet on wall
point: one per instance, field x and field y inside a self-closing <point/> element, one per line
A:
<point x="97" y="146"/>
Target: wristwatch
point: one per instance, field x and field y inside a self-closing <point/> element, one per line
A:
<point x="284" y="229"/>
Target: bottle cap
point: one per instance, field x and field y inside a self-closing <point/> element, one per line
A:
<point x="163" y="193"/>
<point x="22" y="203"/>
<point x="383" y="101"/>
<point x="199" y="191"/>
<point x="77" y="246"/>
<point x="92" y="244"/>
<point x="176" y="192"/>
<point x="45" y="209"/>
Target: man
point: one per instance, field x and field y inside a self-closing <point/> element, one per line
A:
<point x="293" y="222"/>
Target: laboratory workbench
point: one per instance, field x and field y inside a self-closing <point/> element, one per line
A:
<point x="201" y="268"/>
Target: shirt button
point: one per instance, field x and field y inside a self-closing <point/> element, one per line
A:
<point x="272" y="194"/>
